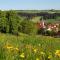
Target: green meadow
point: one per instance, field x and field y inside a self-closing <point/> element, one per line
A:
<point x="27" y="47"/>
<point x="21" y="37"/>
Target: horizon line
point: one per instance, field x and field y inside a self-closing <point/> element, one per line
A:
<point x="29" y="9"/>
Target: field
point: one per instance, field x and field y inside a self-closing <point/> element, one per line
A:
<point x="26" y="47"/>
<point x="20" y="37"/>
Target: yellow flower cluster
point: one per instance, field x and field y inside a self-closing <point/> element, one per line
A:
<point x="16" y="49"/>
<point x="50" y="56"/>
<point x="57" y="53"/>
<point x="37" y="58"/>
<point x="22" y="55"/>
<point x="35" y="50"/>
<point x="9" y="47"/>
<point x="42" y="53"/>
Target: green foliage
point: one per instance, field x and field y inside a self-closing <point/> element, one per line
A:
<point x="28" y="27"/>
<point x="13" y="22"/>
<point x="9" y="22"/>
<point x="2" y="21"/>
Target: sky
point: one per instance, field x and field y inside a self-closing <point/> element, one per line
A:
<point x="29" y="4"/>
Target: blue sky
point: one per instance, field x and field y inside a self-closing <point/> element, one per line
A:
<point x="29" y="4"/>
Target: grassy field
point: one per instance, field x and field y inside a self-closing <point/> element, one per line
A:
<point x="26" y="47"/>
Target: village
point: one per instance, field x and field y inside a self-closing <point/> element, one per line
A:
<point x="50" y="29"/>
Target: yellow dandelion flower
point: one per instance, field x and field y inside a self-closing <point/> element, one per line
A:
<point x="37" y="58"/>
<point x="57" y="53"/>
<point x="35" y="50"/>
<point x="9" y="47"/>
<point x="42" y="53"/>
<point x="17" y="49"/>
<point x="50" y="56"/>
<point x="22" y="55"/>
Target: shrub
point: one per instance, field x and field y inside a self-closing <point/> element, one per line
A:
<point x="28" y="27"/>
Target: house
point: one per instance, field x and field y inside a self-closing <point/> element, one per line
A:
<point x="41" y="24"/>
<point x="48" y="27"/>
<point x="53" y="27"/>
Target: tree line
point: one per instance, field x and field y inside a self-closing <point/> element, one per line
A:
<point x="10" y="22"/>
<point x="45" y="15"/>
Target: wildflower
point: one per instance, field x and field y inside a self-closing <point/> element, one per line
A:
<point x="35" y="50"/>
<point x="42" y="53"/>
<point x="16" y="49"/>
<point x="37" y="58"/>
<point x="57" y="53"/>
<point x="22" y="55"/>
<point x="50" y="56"/>
<point x="9" y="47"/>
<point x="39" y="44"/>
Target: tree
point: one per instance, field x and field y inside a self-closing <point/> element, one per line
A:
<point x="28" y="27"/>
<point x="13" y="21"/>
<point x="3" y="21"/>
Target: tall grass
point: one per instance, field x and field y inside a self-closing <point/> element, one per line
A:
<point x="26" y="47"/>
